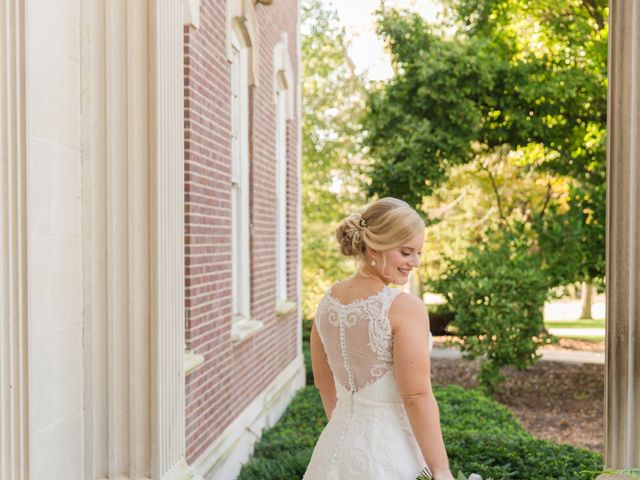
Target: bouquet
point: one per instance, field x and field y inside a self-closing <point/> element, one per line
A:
<point x="426" y="475"/>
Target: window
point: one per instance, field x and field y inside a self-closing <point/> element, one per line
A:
<point x="242" y="325"/>
<point x="281" y="198"/>
<point x="283" y="99"/>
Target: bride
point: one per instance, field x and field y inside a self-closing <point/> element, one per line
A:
<point x="370" y="348"/>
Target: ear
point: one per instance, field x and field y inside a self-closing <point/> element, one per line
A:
<point x="371" y="251"/>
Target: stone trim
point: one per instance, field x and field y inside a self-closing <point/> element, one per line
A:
<point x="244" y="328"/>
<point x="191" y="13"/>
<point x="285" y="307"/>
<point x="241" y="15"/>
<point x="192" y="361"/>
<point x="283" y="74"/>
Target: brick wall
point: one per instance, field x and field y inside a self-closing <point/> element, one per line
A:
<point x="232" y="376"/>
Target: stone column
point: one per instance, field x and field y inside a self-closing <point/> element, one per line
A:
<point x="622" y="396"/>
<point x="14" y="428"/>
<point x="133" y="239"/>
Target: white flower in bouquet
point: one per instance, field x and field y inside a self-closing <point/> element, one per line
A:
<point x="426" y="475"/>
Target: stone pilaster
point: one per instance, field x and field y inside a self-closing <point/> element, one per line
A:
<point x="622" y="396"/>
<point x="14" y="426"/>
<point x="133" y="239"/>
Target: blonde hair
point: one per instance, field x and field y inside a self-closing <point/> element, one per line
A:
<point x="386" y="223"/>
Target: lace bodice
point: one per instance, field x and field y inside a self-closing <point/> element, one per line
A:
<point x="368" y="434"/>
<point x="357" y="337"/>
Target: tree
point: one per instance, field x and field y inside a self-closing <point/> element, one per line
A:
<point x="332" y="105"/>
<point x="526" y="76"/>
<point x="509" y="110"/>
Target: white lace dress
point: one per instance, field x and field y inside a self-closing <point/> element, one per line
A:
<point x="369" y="436"/>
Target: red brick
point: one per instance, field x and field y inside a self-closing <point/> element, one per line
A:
<point x="232" y="377"/>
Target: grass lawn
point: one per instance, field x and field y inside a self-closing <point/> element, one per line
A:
<point x="587" y="338"/>
<point x="582" y="323"/>
<point x="579" y="326"/>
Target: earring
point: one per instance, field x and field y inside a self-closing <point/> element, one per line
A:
<point x="373" y="262"/>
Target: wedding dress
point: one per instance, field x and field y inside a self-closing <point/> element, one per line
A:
<point x="369" y="436"/>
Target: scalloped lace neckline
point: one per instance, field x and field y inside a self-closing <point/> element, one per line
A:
<point x="355" y="302"/>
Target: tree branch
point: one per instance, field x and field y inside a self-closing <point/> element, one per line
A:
<point x="592" y="8"/>
<point x="494" y="186"/>
<point x="439" y="212"/>
<point x="546" y="200"/>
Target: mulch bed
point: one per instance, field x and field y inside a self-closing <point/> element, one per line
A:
<point x="555" y="401"/>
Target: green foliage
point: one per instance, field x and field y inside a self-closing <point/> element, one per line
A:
<point x="491" y="192"/>
<point x="633" y="473"/>
<point x="526" y="76"/>
<point x="567" y="240"/>
<point x="467" y="411"/>
<point x="332" y="102"/>
<point x="481" y="436"/>
<point x="498" y="123"/>
<point x="497" y="293"/>
<point x="420" y="123"/>
<point x="284" y="451"/>
<point x="306" y="338"/>
<point x="504" y="457"/>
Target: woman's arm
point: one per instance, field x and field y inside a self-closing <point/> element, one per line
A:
<point x="322" y="376"/>
<point x="410" y="325"/>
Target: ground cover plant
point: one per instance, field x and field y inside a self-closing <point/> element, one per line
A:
<point x="481" y="435"/>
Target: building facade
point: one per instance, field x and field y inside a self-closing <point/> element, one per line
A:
<point x="149" y="228"/>
<point x="242" y="223"/>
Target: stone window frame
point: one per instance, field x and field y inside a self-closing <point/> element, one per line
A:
<point x="241" y="19"/>
<point x="283" y="86"/>
<point x="242" y="41"/>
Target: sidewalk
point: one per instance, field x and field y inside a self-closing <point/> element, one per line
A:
<point x="577" y="332"/>
<point x="566" y="356"/>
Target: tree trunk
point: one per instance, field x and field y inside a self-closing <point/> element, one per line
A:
<point x="415" y="284"/>
<point x="587" y="291"/>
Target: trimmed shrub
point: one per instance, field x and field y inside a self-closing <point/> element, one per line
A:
<point x="467" y="412"/>
<point x="481" y="436"/>
<point x="519" y="457"/>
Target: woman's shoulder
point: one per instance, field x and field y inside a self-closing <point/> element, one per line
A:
<point x="407" y="308"/>
<point x="406" y="300"/>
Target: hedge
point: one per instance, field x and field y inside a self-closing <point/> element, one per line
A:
<point x="481" y="436"/>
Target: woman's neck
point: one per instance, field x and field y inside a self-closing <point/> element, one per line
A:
<point x="368" y="273"/>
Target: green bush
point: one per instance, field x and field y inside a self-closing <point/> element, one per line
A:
<point x="466" y="411"/>
<point x="481" y="436"/>
<point x="497" y="293"/>
<point x="306" y="336"/>
<point x="522" y="458"/>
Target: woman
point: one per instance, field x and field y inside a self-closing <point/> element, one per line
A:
<point x="370" y="356"/>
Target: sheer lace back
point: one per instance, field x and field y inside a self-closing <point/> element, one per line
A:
<point x="357" y="337"/>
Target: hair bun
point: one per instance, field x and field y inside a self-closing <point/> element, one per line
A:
<point x="349" y="235"/>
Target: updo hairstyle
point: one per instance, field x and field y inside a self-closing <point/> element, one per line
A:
<point x="386" y="223"/>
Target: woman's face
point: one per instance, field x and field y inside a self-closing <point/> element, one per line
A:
<point x="398" y="262"/>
